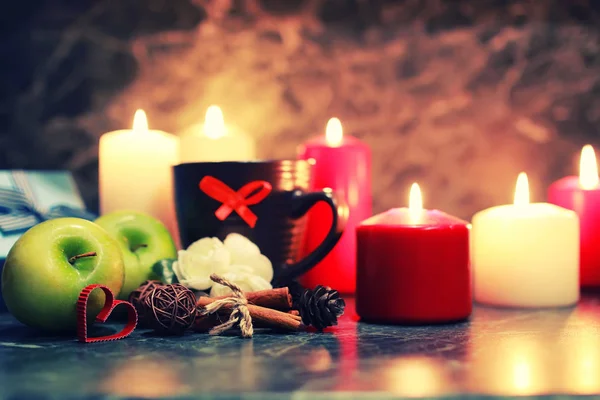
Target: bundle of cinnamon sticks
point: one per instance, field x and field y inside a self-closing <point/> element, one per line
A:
<point x="271" y="308"/>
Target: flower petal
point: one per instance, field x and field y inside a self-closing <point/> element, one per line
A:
<point x="257" y="283"/>
<point x="234" y="268"/>
<point x="221" y="290"/>
<point x="240" y="247"/>
<point x="205" y="245"/>
<point x="194" y="268"/>
<point x="261" y="266"/>
<point x="212" y="248"/>
<point x="199" y="284"/>
<point x="185" y="263"/>
<point x="177" y="271"/>
<point x="246" y="282"/>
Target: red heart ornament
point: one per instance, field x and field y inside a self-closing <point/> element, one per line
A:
<point x="109" y="305"/>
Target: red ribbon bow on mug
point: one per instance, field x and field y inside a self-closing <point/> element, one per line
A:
<point x="250" y="194"/>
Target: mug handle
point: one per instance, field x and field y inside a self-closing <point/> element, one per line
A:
<point x="302" y="202"/>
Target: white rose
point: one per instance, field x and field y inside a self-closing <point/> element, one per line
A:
<point x="203" y="257"/>
<point x="244" y="252"/>
<point x="247" y="282"/>
<point x="233" y="269"/>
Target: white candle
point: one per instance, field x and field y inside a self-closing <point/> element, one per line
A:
<point x="214" y="141"/>
<point x="135" y="171"/>
<point x="525" y="254"/>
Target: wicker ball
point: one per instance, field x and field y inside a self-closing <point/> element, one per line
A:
<point x="138" y="299"/>
<point x="171" y="309"/>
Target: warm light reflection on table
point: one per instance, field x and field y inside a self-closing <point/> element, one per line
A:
<point x="498" y="352"/>
<point x="502" y="352"/>
<point x="553" y="352"/>
<point x="582" y="352"/>
<point x="512" y="365"/>
<point x="145" y="377"/>
<point x="415" y="377"/>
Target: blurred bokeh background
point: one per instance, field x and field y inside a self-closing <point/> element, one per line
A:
<point x="459" y="95"/>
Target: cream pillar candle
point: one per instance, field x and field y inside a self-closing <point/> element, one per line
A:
<point x="135" y="171"/>
<point x="215" y="141"/>
<point x="525" y="254"/>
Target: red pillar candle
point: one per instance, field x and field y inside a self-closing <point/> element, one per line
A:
<point x="413" y="266"/>
<point x="343" y="164"/>
<point x="582" y="195"/>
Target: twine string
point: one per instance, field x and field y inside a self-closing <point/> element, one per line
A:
<point x="240" y="315"/>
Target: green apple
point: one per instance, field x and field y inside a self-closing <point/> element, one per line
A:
<point x="143" y="240"/>
<point x="45" y="271"/>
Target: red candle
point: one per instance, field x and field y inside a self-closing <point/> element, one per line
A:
<point x="413" y="266"/>
<point x="343" y="164"/>
<point x="582" y="195"/>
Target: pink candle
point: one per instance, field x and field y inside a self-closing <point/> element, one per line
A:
<point x="343" y="164"/>
<point x="582" y="195"/>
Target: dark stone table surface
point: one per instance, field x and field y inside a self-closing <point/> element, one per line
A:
<point x="497" y="353"/>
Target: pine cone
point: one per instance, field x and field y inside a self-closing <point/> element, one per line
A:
<point x="296" y="291"/>
<point x="321" y="307"/>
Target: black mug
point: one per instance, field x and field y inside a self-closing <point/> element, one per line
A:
<point x="266" y="201"/>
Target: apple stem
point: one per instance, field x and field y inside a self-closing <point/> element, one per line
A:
<point x="139" y="246"/>
<point x="77" y="257"/>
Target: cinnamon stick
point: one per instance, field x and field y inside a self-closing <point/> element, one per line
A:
<point x="204" y="323"/>
<point x="276" y="299"/>
<point x="262" y="317"/>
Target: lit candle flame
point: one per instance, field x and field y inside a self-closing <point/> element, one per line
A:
<point x="588" y="168"/>
<point x="334" y="132"/>
<point x="415" y="202"/>
<point x="214" y="123"/>
<point x="522" y="190"/>
<point x="140" y="122"/>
